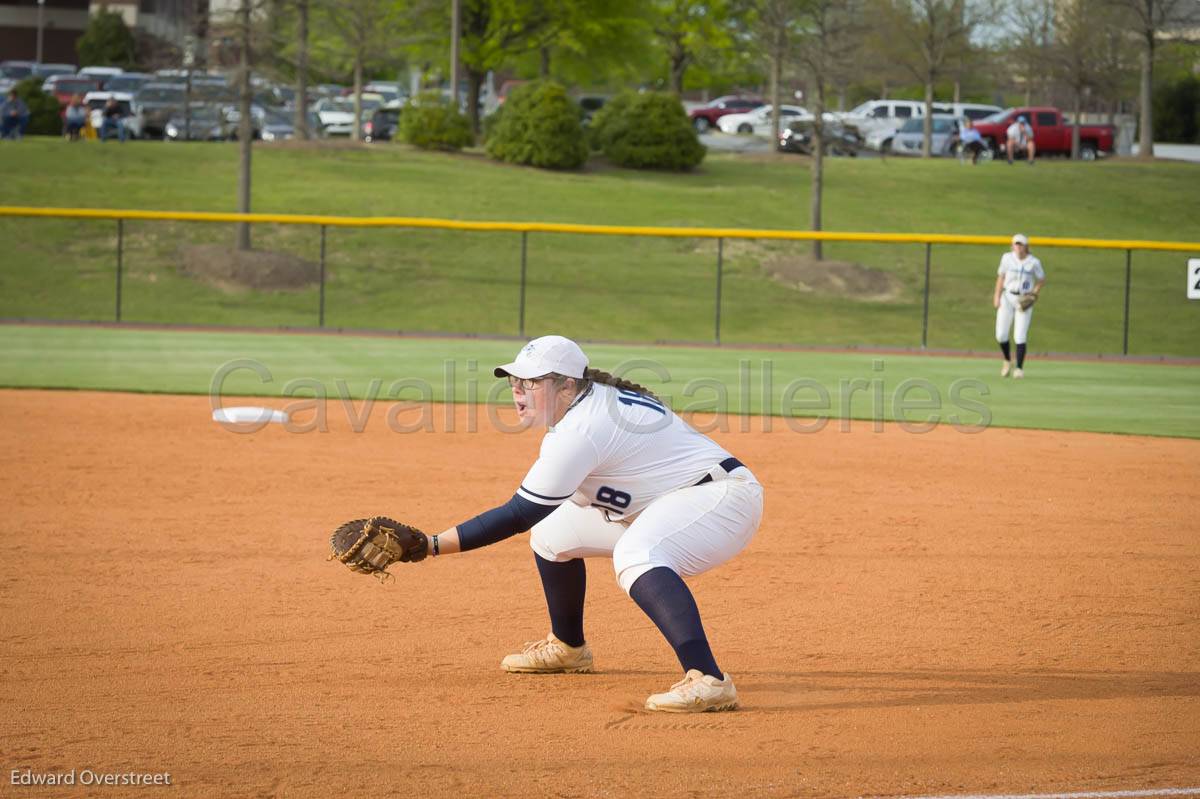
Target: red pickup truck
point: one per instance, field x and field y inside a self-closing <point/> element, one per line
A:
<point x="1050" y="134"/>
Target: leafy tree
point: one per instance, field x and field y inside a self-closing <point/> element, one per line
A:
<point x="494" y="32"/>
<point x="107" y="42"/>
<point x="691" y="32"/>
<point x="925" y="37"/>
<point x="1150" y="19"/>
<point x="828" y="35"/>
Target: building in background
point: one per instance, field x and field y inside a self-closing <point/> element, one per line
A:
<point x="161" y="27"/>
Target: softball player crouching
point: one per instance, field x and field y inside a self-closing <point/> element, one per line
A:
<point x="1019" y="281"/>
<point x="619" y="476"/>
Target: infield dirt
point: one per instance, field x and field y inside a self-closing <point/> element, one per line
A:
<point x="1002" y="612"/>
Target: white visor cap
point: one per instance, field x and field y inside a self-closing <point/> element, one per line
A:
<point x="1020" y="239"/>
<point x="545" y="355"/>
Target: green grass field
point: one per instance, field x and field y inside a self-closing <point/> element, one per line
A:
<point x="1059" y="395"/>
<point x="599" y="287"/>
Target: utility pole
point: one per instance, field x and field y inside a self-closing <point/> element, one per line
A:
<point x="41" y="25"/>
<point x="454" y="36"/>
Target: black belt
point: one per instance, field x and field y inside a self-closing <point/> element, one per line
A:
<point x="1010" y="291"/>
<point x="729" y="464"/>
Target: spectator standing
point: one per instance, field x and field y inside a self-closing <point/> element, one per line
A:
<point x="75" y="118"/>
<point x="112" y="122"/>
<point x="14" y="116"/>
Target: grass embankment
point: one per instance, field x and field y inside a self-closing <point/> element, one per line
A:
<point x="601" y="287"/>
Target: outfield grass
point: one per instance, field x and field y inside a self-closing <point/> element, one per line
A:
<point x="1059" y="395"/>
<point x="601" y="287"/>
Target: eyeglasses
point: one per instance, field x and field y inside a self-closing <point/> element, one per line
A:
<point x="525" y="383"/>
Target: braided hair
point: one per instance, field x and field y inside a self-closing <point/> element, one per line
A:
<point x="591" y="376"/>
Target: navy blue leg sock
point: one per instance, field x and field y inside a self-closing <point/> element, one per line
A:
<point x="1020" y="356"/>
<point x="1007" y="352"/>
<point x="565" y="585"/>
<point x="665" y="598"/>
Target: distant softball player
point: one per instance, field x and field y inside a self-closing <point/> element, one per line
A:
<point x="1019" y="280"/>
<point x="619" y="476"/>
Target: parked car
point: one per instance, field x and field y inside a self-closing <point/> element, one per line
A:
<point x="49" y="70"/>
<point x="1051" y="134"/>
<point x="758" y="121"/>
<point x="126" y="82"/>
<point x="276" y="126"/>
<point x="64" y="87"/>
<point x="95" y="102"/>
<point x="103" y="73"/>
<point x="13" y="72"/>
<point x="204" y="123"/>
<point x="972" y="111"/>
<point x="706" y="116"/>
<point x="383" y="123"/>
<point x="153" y="106"/>
<point x="589" y="105"/>
<point x="878" y="120"/>
<point x="336" y="116"/>
<point x="17" y="69"/>
<point x="839" y="138"/>
<point x="910" y="139"/>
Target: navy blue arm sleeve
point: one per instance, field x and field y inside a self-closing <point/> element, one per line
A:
<point x="515" y="516"/>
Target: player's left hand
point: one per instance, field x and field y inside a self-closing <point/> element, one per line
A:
<point x="369" y="546"/>
<point x="1027" y="300"/>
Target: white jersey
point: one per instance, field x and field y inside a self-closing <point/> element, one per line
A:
<point x="1018" y="131"/>
<point x="1020" y="276"/>
<point x="618" y="450"/>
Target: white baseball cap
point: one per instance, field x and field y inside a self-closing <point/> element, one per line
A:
<point x="545" y="355"/>
<point x="1020" y="239"/>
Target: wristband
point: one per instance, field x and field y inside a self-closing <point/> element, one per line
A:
<point x="436" y="552"/>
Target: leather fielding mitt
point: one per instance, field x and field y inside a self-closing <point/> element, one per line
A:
<point x="1026" y="301"/>
<point x="369" y="546"/>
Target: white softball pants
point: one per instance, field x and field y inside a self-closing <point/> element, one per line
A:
<point x="689" y="531"/>
<point x="1009" y="314"/>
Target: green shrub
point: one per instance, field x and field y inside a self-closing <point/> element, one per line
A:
<point x="1177" y="110"/>
<point x="646" y="131"/>
<point x="433" y="124"/>
<point x="539" y="127"/>
<point x="44" y="119"/>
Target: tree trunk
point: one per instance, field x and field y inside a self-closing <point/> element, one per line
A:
<point x="818" y="163"/>
<point x="475" y="80"/>
<point x="818" y="179"/>
<point x="957" y="91"/>
<point x="245" y="127"/>
<point x="544" y="68"/>
<point x="776" y="69"/>
<point x="1146" y="125"/>
<point x="356" y="133"/>
<point x="300" y="121"/>
<point x="927" y="134"/>
<point x="679" y="65"/>
<point x="1075" y="124"/>
<point x="455" y="36"/>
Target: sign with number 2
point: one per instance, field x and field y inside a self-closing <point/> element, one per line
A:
<point x="1193" y="279"/>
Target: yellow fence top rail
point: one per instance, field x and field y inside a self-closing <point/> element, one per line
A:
<point x="593" y="230"/>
